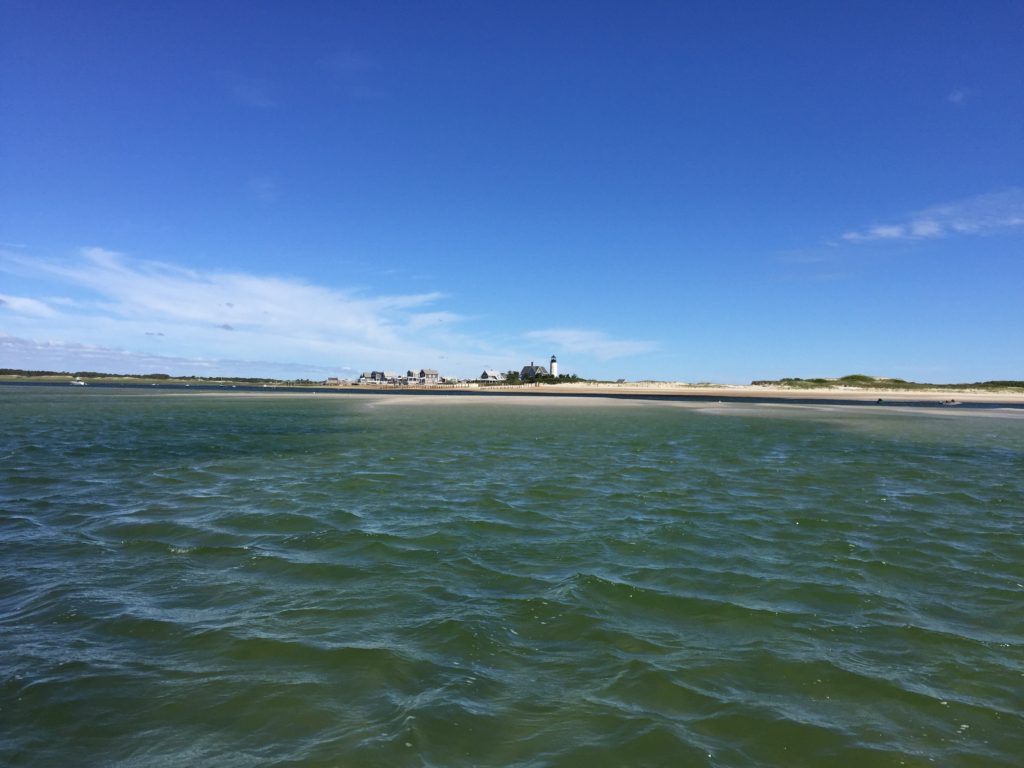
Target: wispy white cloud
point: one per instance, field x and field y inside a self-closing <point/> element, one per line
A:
<point x="225" y="315"/>
<point x="925" y="228"/>
<point x="127" y="314"/>
<point x="423" y="320"/>
<point x="595" y="344"/>
<point x="878" y="232"/>
<point x="34" y="354"/>
<point x="957" y="96"/>
<point x="23" y="305"/>
<point x="980" y="215"/>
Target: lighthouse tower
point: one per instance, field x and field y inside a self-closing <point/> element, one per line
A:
<point x="554" y="367"/>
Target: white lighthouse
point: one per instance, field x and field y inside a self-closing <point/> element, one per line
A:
<point x="554" y="367"/>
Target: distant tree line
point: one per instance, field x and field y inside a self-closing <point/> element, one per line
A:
<point x="19" y="372"/>
<point x="513" y="377"/>
<point x="862" y="380"/>
<point x="147" y="376"/>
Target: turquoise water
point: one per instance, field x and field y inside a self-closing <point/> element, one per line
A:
<point x="347" y="581"/>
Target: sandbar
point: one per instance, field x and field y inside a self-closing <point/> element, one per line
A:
<point x="726" y="392"/>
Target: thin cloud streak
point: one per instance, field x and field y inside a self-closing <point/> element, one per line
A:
<point x="26" y="306"/>
<point x="981" y="215"/>
<point x="163" y="312"/>
<point x="119" y="298"/>
<point x="257" y="303"/>
<point x="34" y="354"/>
<point x="957" y="96"/>
<point x="591" y="343"/>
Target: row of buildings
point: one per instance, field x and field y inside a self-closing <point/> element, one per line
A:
<point x="426" y="377"/>
<point x="529" y="372"/>
<point x="422" y="377"/>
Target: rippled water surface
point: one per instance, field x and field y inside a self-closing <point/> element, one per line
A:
<point x="349" y="581"/>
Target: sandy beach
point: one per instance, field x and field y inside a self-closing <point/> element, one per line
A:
<point x="621" y="391"/>
<point x="730" y="391"/>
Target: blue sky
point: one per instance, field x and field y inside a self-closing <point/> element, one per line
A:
<point x="716" y="191"/>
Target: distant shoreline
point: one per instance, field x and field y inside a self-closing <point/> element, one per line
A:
<point x="845" y="393"/>
<point x="639" y="391"/>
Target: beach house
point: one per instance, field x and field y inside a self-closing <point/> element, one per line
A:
<point x="424" y="376"/>
<point x="531" y="372"/>
<point x="378" y="377"/>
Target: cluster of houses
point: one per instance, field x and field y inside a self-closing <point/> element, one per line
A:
<point x="529" y="372"/>
<point x="426" y="377"/>
<point x="422" y="377"/>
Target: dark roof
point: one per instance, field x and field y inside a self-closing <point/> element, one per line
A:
<point x="533" y="371"/>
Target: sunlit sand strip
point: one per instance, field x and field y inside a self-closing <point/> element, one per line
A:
<point x="620" y="393"/>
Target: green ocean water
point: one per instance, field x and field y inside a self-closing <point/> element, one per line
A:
<point x="349" y="581"/>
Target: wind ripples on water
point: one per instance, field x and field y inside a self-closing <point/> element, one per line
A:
<point x="346" y="581"/>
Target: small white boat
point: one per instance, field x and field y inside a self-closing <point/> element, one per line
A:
<point x="78" y="383"/>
